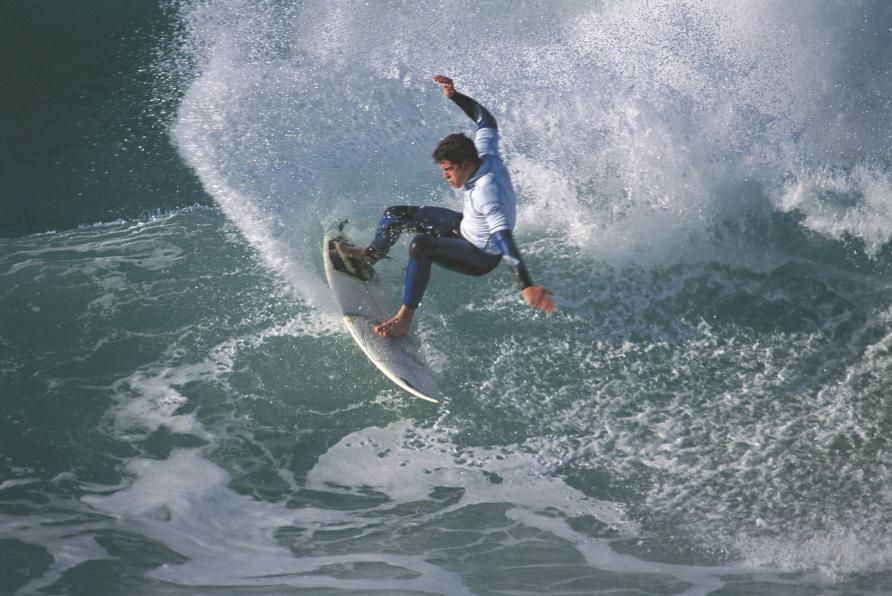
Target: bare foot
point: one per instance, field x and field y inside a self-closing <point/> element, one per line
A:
<point x="398" y="325"/>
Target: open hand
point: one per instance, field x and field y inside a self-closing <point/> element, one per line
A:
<point x="448" y="85"/>
<point x="539" y="297"/>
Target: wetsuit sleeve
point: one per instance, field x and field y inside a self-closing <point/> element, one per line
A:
<point x="487" y="137"/>
<point x="474" y="110"/>
<point x="505" y="241"/>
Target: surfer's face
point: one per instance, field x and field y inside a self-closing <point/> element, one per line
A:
<point x="456" y="175"/>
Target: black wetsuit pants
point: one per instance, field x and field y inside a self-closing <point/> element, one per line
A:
<point x="438" y="240"/>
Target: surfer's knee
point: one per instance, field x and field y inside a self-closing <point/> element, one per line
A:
<point x="390" y="226"/>
<point x="421" y="247"/>
<point x="399" y="213"/>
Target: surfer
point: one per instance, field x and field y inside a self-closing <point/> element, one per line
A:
<point x="472" y="242"/>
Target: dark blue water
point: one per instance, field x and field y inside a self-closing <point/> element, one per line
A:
<point x="707" y="189"/>
<point x="86" y="115"/>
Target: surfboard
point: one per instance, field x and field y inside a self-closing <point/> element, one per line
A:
<point x="363" y="304"/>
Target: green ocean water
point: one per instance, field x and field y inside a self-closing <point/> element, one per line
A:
<point x="85" y="117"/>
<point x="705" y="188"/>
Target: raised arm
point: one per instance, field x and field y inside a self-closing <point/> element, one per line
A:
<point x="474" y="110"/>
<point x="486" y="142"/>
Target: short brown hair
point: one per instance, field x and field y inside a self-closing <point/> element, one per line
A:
<point x="457" y="148"/>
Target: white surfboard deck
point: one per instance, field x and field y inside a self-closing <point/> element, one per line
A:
<point x="363" y="304"/>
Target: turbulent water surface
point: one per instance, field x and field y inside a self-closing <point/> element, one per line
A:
<point x="706" y="187"/>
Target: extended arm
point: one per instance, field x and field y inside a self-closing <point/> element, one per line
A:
<point x="474" y="110"/>
<point x="536" y="296"/>
<point x="505" y="242"/>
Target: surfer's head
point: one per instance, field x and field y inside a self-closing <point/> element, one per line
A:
<point x="458" y="159"/>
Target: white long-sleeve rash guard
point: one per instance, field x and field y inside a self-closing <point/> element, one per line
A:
<point x="490" y="206"/>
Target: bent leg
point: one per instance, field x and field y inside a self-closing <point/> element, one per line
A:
<point x="432" y="221"/>
<point x="455" y="254"/>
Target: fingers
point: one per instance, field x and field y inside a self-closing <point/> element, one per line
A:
<point x="539" y="297"/>
<point x="545" y="302"/>
<point x="448" y="85"/>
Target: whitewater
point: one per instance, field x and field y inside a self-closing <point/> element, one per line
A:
<point x="706" y="188"/>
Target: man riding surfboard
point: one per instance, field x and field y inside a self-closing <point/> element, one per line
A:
<point x="472" y="242"/>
